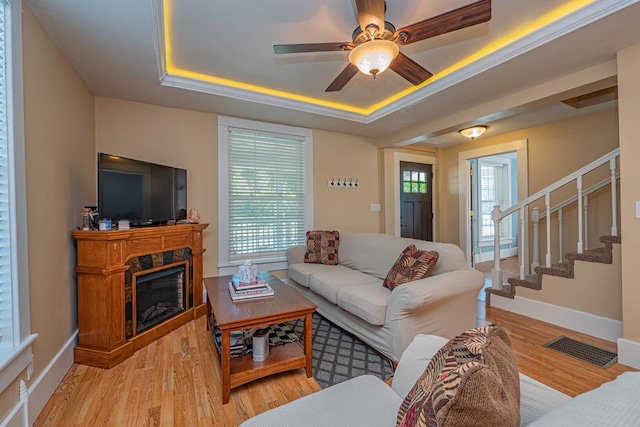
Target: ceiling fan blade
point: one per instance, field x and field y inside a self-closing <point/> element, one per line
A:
<point x="409" y="69"/>
<point x="312" y="47"/>
<point x="370" y="12"/>
<point x="463" y="17"/>
<point x="344" y="77"/>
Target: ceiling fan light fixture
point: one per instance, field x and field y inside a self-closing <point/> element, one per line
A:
<point x="473" y="132"/>
<point x="373" y="57"/>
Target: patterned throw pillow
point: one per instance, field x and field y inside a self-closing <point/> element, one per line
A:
<point x="322" y="247"/>
<point x="471" y="381"/>
<point x="412" y="264"/>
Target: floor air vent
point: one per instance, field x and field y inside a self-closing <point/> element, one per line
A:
<point x="585" y="352"/>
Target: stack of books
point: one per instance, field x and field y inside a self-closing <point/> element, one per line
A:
<point x="237" y="347"/>
<point x="241" y="290"/>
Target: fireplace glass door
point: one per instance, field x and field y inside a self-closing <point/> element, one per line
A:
<point x="159" y="296"/>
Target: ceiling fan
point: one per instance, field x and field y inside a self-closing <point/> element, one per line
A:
<point x="375" y="45"/>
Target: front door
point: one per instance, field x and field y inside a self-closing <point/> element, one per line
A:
<point x="416" y="213"/>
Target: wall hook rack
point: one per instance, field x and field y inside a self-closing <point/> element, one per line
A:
<point x="344" y="182"/>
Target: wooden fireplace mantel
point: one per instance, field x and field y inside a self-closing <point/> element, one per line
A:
<point x="102" y="258"/>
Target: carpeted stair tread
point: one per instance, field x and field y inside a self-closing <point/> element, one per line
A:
<point x="602" y="255"/>
<point x="530" y="281"/>
<point x="507" y="291"/>
<point x="564" y="269"/>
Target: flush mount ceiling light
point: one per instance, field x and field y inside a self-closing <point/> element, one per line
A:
<point x="473" y="132"/>
<point x="373" y="57"/>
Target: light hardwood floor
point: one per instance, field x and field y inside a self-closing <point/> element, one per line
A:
<point x="175" y="381"/>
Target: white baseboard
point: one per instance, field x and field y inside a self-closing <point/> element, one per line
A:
<point x="580" y="321"/>
<point x="45" y="385"/>
<point x="504" y="253"/>
<point x="629" y="353"/>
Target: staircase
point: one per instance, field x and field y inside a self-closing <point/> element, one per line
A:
<point x="603" y="255"/>
<point x="531" y="275"/>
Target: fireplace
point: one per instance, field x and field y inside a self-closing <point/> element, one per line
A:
<point x="160" y="295"/>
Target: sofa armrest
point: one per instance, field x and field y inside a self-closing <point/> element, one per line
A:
<point x="432" y="290"/>
<point x="414" y="361"/>
<point x="443" y="305"/>
<point x="295" y="254"/>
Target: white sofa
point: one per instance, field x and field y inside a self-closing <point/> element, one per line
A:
<point x="369" y="402"/>
<point x="351" y="294"/>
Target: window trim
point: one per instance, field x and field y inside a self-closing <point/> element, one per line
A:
<point x="226" y="266"/>
<point x="15" y="359"/>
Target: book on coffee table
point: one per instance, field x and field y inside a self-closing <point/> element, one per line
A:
<point x="240" y="286"/>
<point x="250" y="293"/>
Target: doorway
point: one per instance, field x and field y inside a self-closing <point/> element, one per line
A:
<point x="494" y="181"/>
<point x="416" y="195"/>
<point x="464" y="181"/>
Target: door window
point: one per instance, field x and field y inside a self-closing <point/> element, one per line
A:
<point x="414" y="182"/>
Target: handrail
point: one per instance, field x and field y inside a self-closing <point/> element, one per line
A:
<point x="561" y="182"/>
<point x="604" y="183"/>
<point x="497" y="215"/>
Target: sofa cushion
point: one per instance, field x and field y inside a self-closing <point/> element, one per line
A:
<point x="612" y="404"/>
<point x="322" y="247"/>
<point x="368" y="302"/>
<point x="328" y="283"/>
<point x="301" y="273"/>
<point x="374" y="254"/>
<point x="361" y="401"/>
<point x="412" y="264"/>
<point x="472" y="380"/>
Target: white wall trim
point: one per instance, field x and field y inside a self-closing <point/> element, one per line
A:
<point x="45" y="385"/>
<point x="464" y="201"/>
<point x="18" y="417"/>
<point x="488" y="256"/>
<point x="580" y="321"/>
<point x="399" y="156"/>
<point x="629" y="353"/>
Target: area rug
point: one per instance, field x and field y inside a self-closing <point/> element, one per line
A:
<point x="339" y="356"/>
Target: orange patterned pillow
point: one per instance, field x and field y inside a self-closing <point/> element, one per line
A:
<point x="322" y="247"/>
<point x="412" y="264"/>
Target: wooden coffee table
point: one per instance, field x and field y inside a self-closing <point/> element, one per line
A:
<point x="285" y="305"/>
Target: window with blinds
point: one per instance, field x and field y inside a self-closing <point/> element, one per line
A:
<point x="265" y="202"/>
<point x="266" y="193"/>
<point x="6" y="295"/>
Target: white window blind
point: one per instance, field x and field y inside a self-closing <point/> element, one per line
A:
<point x="6" y="296"/>
<point x="267" y="203"/>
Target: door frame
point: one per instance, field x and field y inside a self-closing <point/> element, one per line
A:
<point x="392" y="161"/>
<point x="464" y="202"/>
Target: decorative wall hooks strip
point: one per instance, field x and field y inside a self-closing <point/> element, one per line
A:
<point x="344" y="183"/>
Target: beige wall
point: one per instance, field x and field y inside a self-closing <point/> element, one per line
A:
<point x="188" y="139"/>
<point x="170" y="136"/>
<point x="337" y="155"/>
<point x="629" y="105"/>
<point x="555" y="150"/>
<point x="61" y="170"/>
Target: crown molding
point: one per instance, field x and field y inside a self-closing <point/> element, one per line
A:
<point x="585" y="16"/>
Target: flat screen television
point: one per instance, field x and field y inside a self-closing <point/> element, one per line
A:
<point x="143" y="193"/>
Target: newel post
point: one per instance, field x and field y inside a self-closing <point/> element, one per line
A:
<point x="496" y="273"/>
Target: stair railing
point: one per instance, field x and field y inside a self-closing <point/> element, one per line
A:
<point x="536" y="216"/>
<point x="522" y="208"/>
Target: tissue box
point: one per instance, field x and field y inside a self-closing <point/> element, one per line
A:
<point x="248" y="273"/>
